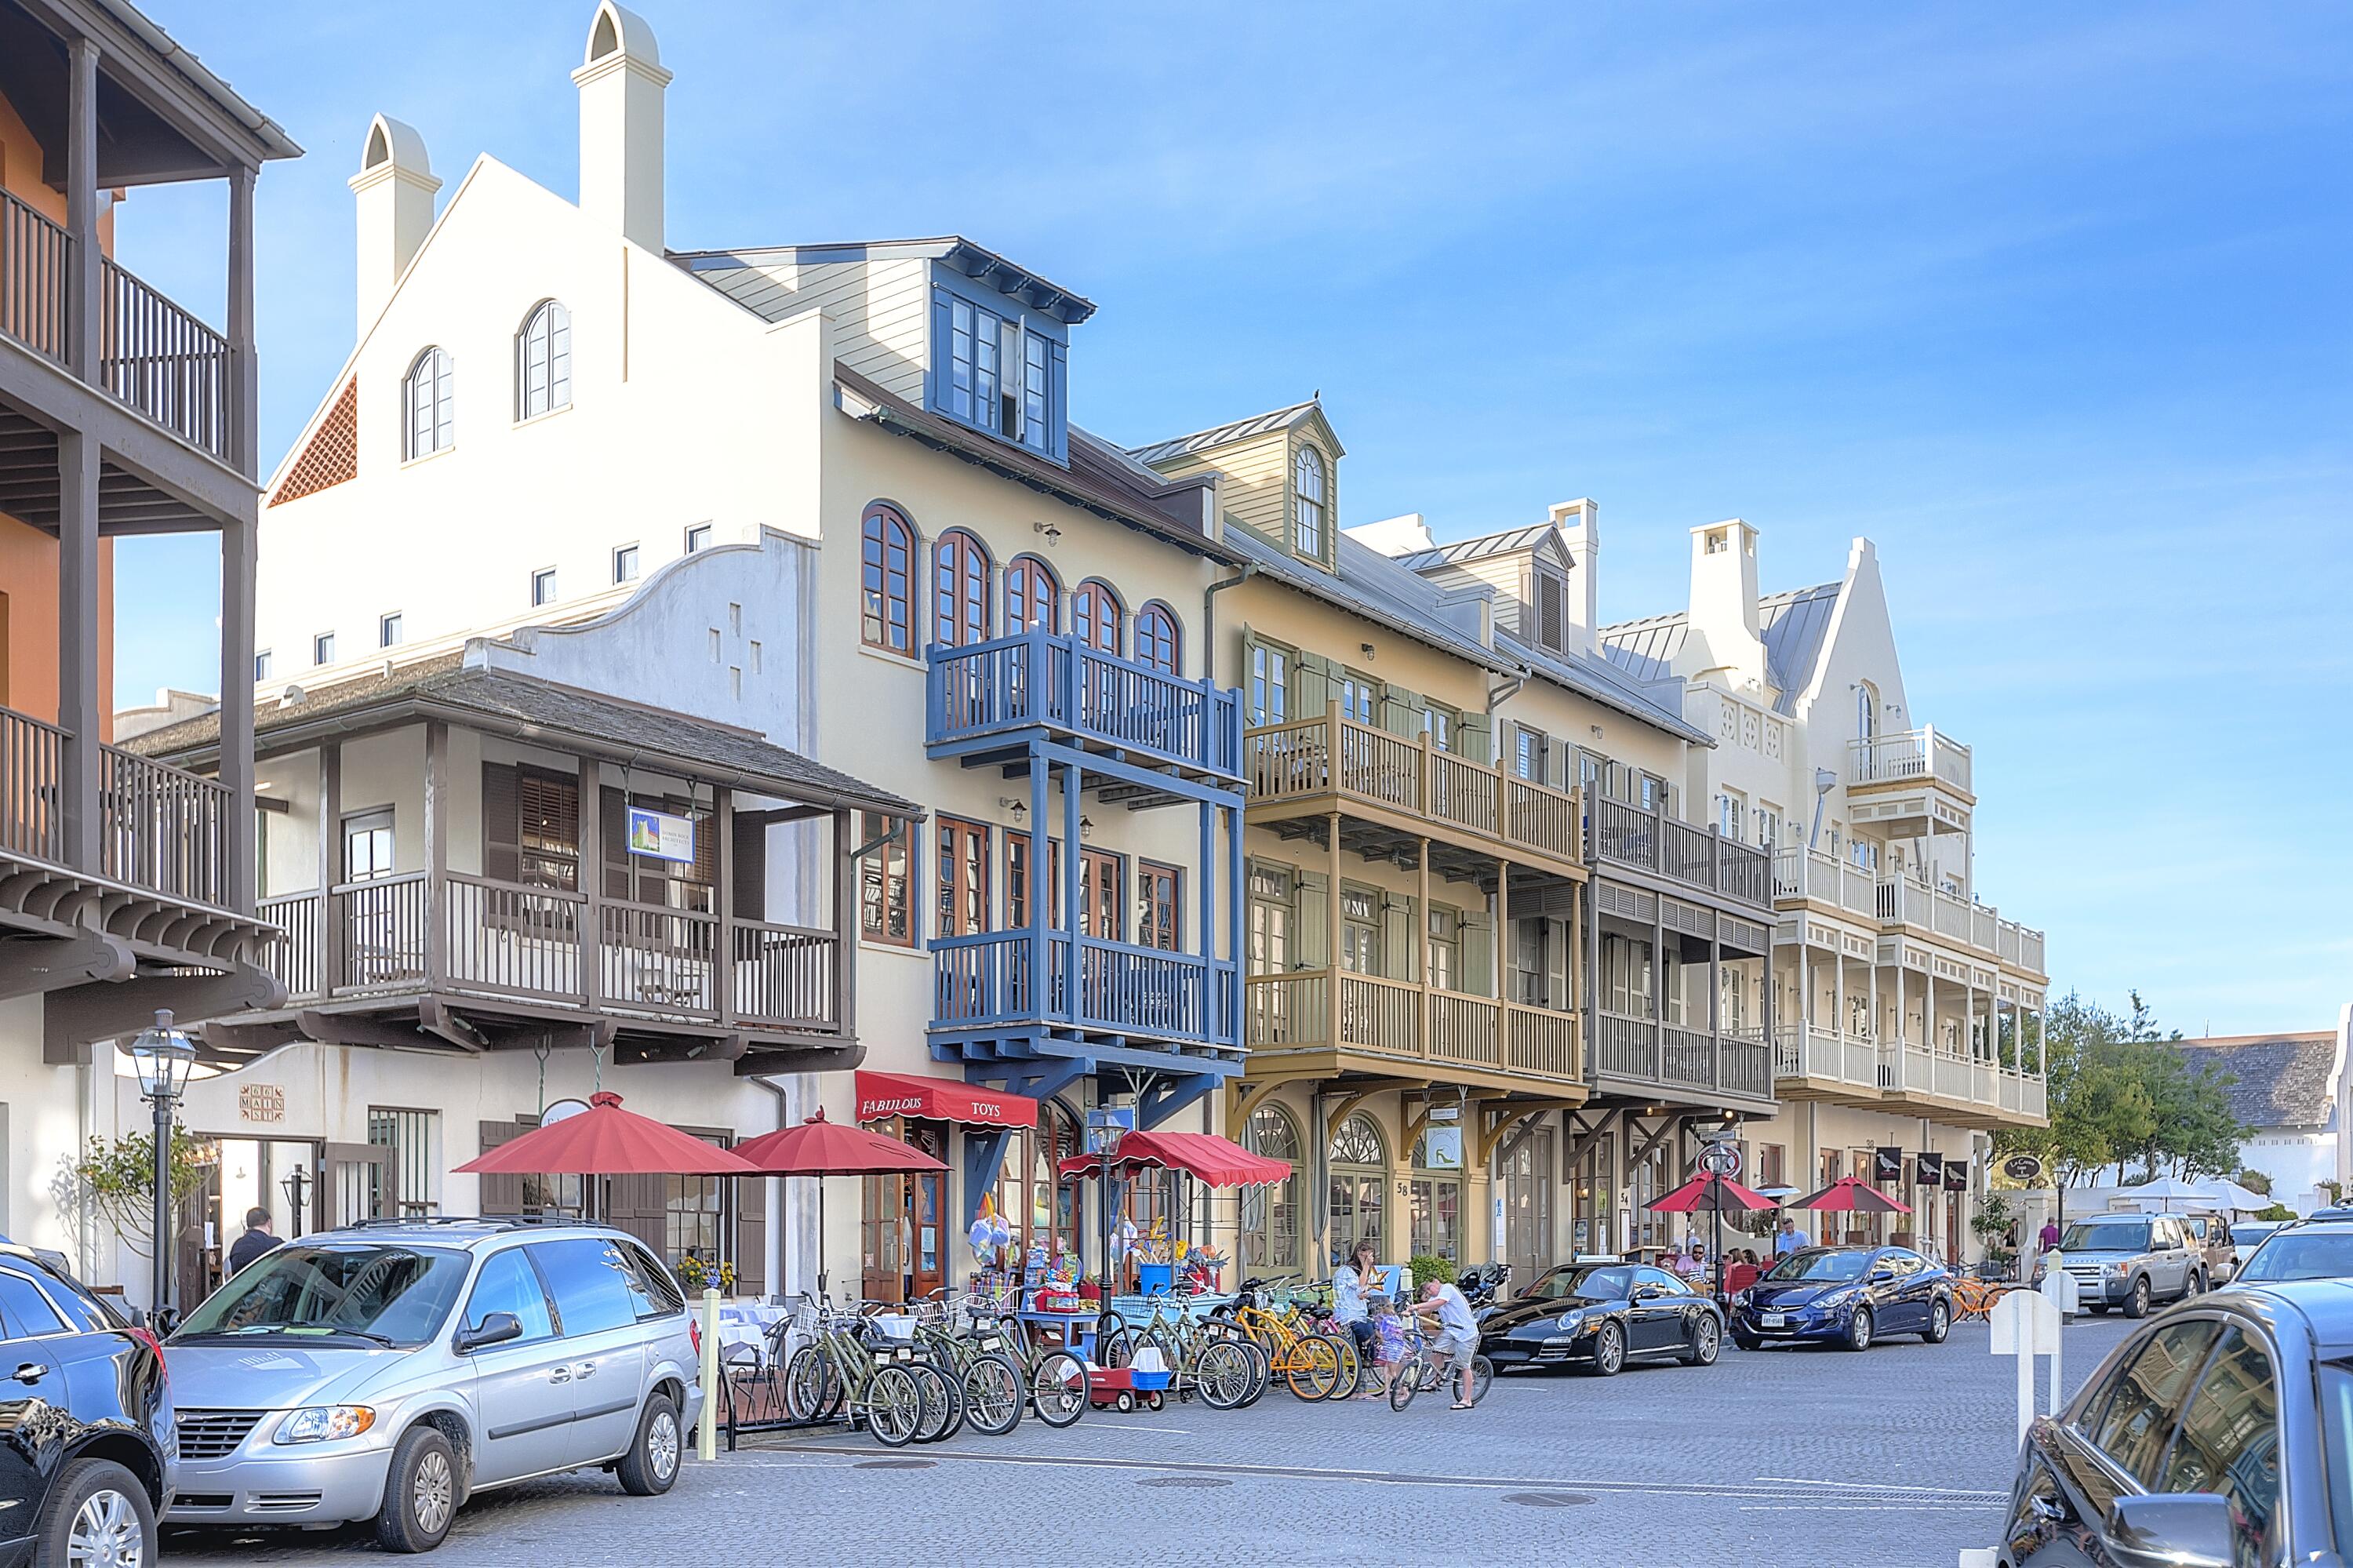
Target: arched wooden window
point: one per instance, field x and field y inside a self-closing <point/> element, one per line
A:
<point x="1155" y="637"/>
<point x="429" y="396"/>
<point x="960" y="567"/>
<point x="1436" y="1188"/>
<point x="1866" y="711"/>
<point x="1095" y="616"/>
<point x="888" y="568"/>
<point x="1033" y="597"/>
<point x="1055" y="1207"/>
<point x="1307" y="503"/>
<point x="543" y="361"/>
<point x="1271" y="1214"/>
<point x="1359" y="1188"/>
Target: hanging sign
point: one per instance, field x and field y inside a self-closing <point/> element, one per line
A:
<point x="2022" y="1167"/>
<point x="1927" y="1169"/>
<point x="1887" y="1164"/>
<point x="1442" y="1148"/>
<point x="1957" y="1175"/>
<point x="660" y="835"/>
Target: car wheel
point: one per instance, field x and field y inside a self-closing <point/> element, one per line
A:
<point x="2099" y="1307"/>
<point x="1940" y="1323"/>
<point x="2136" y="1304"/>
<point x="98" y="1512"/>
<point x="1745" y="1340"/>
<point x="1858" y="1329"/>
<point x="2198" y="1285"/>
<point x="1706" y="1342"/>
<point x="1608" y="1351"/>
<point x="420" y="1493"/>
<point x="650" y="1465"/>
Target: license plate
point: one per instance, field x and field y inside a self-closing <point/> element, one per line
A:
<point x="1774" y="1319"/>
<point x="902" y="1354"/>
<point x="992" y="1343"/>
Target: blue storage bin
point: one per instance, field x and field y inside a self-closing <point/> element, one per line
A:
<point x="1156" y="1278"/>
<point x="1150" y="1382"/>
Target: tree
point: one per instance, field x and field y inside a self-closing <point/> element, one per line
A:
<point x="2254" y="1181"/>
<point x="118" y="1177"/>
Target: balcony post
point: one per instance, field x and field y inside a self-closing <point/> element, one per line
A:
<point x="1236" y="892"/>
<point x="80" y="702"/>
<point x="1041" y="891"/>
<point x="331" y="914"/>
<point x="590" y="788"/>
<point x="85" y="308"/>
<point x="845" y="924"/>
<point x="238" y="556"/>
<point x="1332" y="909"/>
<point x="1421" y="917"/>
<point x="722" y="903"/>
<point x="1503" y="943"/>
<point x="1423" y="801"/>
<point x="437" y="853"/>
<point x="244" y="396"/>
<point x="1716" y="998"/>
<point x="1073" y="986"/>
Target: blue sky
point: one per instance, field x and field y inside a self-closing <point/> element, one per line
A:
<point x="2051" y="303"/>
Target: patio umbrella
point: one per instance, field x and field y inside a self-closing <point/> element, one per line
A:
<point x="606" y="1141"/>
<point x="1711" y="1193"/>
<point x="1853" y="1194"/>
<point x="819" y="1147"/>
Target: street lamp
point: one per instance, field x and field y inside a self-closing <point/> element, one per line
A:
<point x="163" y="1059"/>
<point x="297" y="1187"/>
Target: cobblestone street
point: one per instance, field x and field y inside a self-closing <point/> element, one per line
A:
<point x="1901" y="1455"/>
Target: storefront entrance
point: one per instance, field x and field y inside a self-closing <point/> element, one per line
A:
<point x="903" y="1247"/>
<point x="280" y="1174"/>
<point x="1528" y="1206"/>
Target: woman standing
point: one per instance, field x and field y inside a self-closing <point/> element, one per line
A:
<point x="1356" y="1279"/>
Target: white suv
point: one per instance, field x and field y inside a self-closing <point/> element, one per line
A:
<point x="388" y="1370"/>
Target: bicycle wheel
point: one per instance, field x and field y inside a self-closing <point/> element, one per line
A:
<point x="1058" y="1388"/>
<point x="1405" y="1382"/>
<point x="812" y="1385"/>
<point x="895" y="1407"/>
<point x="1116" y="1348"/>
<point x="1262" y="1371"/>
<point x="992" y="1394"/>
<point x="1482" y="1376"/>
<point x="943" y="1404"/>
<point x="1352" y="1368"/>
<point x="1223" y="1374"/>
<point x="1312" y="1368"/>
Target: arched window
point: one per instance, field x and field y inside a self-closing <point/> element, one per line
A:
<point x="431" y="397"/>
<point x="1359" y="1189"/>
<point x="960" y="567"/>
<point x="1155" y="637"/>
<point x="1033" y="597"/>
<point x="543" y="361"/>
<point x="1095" y="615"/>
<point x="888" y="565"/>
<point x="1307" y="503"/>
<point x="1271" y="1214"/>
<point x="1866" y="711"/>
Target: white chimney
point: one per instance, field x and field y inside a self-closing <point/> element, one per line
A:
<point x="1579" y="525"/>
<point x="394" y="192"/>
<point x="1724" y="624"/>
<point x="621" y="81"/>
<point x="1403" y="535"/>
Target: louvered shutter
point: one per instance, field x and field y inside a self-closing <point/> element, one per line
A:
<point x="614" y="836"/>
<point x="1310" y="686"/>
<point x="750" y="892"/>
<point x="1398" y="958"/>
<point x="501" y="823"/>
<point x="501" y="1192"/>
<point x="639" y="1204"/>
<point x="750" y="1235"/>
<point x="1311" y="928"/>
<point x="1550" y="612"/>
<point x="1400" y="711"/>
<point x="548" y="828"/>
<point x="1477" y="977"/>
<point x="1559" y="934"/>
<point x="1475" y="739"/>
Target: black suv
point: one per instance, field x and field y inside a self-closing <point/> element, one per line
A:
<point x="85" y="1424"/>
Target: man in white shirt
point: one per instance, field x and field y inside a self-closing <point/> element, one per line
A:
<point x="1446" y="1318"/>
<point x="1790" y="1239"/>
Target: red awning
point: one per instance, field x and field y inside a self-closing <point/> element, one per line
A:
<point x="1219" y="1162"/>
<point x="940" y="1099"/>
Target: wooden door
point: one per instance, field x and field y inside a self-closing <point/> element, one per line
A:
<point x="926" y="1239"/>
<point x="882" y="1228"/>
<point x="1527" y="1207"/>
<point x="363" y="1182"/>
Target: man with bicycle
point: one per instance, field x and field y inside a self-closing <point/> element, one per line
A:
<point x="1446" y="1319"/>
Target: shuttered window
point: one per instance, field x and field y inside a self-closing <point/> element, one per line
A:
<point x="531" y="826"/>
<point x="643" y="879"/>
<point x="1551" y="612"/>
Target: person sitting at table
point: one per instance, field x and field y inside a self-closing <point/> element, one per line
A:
<point x="1741" y="1273"/>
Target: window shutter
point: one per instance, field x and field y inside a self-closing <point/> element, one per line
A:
<point x="1549" y="611"/>
<point x="1311" y="923"/>
<point x="1478" y="977"/>
<point x="640" y="1205"/>
<point x="1399" y="711"/>
<point x="1310" y="686"/>
<point x="501" y="822"/>
<point x="614" y="837"/>
<point x="1399" y="960"/>
<point x="1477" y="742"/>
<point x="1558" y="935"/>
<point x="502" y="1193"/>
<point x="751" y="1237"/>
<point x="751" y="890"/>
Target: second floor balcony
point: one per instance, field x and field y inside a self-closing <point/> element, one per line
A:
<point x="1813" y="1062"/>
<point x="1004" y="980"/>
<point x="1350" y="1021"/>
<point x="1702" y="859"/>
<point x="1632" y="1050"/>
<point x="988" y="700"/>
<point x="1901" y="899"/>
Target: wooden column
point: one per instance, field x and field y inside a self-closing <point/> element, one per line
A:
<point x="723" y="901"/>
<point x="1332" y="900"/>
<point x="238" y="556"/>
<point x="1040" y="890"/>
<point x="592" y="878"/>
<point x="845" y="924"/>
<point x="437" y="853"/>
<point x="1715" y="997"/>
<point x="84" y="304"/>
<point x="1421" y="918"/>
<point x="331" y="915"/>
<point x="244" y="397"/>
<point x="1072" y="784"/>
<point x="81" y="703"/>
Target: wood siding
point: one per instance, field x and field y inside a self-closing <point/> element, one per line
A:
<point x="1257" y="488"/>
<point x="878" y="310"/>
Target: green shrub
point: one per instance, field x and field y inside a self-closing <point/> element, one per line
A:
<point x="1425" y="1267"/>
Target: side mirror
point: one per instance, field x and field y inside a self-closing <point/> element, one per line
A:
<point x="1882" y="1275"/>
<point x="495" y="1330"/>
<point x="2178" y="1530"/>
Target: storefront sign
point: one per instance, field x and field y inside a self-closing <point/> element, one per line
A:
<point x="660" y="835"/>
<point x="261" y="1102"/>
<point x="1887" y="1165"/>
<point x="1927" y="1169"/>
<point x="884" y="1095"/>
<point x="1441" y="1148"/>
<point x="1957" y="1176"/>
<point x="2022" y="1167"/>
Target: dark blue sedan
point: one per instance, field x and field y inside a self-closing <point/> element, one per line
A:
<point x="1851" y="1294"/>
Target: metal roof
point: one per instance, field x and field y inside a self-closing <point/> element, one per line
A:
<point x="263" y="129"/>
<point x="1792" y="626"/>
<point x="1503" y="542"/>
<point x="738" y="272"/>
<point x="1596" y="677"/>
<point x="1239" y="431"/>
<point x="1369" y="583"/>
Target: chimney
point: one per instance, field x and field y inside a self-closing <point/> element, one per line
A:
<point x="1723" y="602"/>
<point x="394" y="193"/>
<point x="621" y="82"/>
<point x="1579" y="523"/>
<point x="1403" y="535"/>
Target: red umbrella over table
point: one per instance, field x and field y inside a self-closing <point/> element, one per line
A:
<point x="819" y="1147"/>
<point x="1711" y="1193"/>
<point x="606" y="1141"/>
<point x="1852" y="1196"/>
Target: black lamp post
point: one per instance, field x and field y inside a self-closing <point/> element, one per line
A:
<point x="163" y="1058"/>
<point x="297" y="1187"/>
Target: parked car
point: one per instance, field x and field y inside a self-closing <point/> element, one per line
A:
<point x="2249" y="1235"/>
<point x="2213" y="1436"/>
<point x="2210" y="1234"/>
<point x="86" y="1464"/>
<point x="389" y="1371"/>
<point x="2131" y="1261"/>
<point x="2314" y="1249"/>
<point x="1853" y="1295"/>
<point x="1599" y="1317"/>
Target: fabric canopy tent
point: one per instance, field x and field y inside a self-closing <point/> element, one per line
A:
<point x="1219" y="1162"/>
<point x="2172" y="1192"/>
<point x="606" y="1141"/>
<point x="940" y="1099"/>
<point x="819" y="1147"/>
<point x="1852" y="1194"/>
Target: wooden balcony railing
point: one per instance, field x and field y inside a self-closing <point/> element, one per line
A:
<point x="1373" y="1016"/>
<point x="160" y="827"/>
<point x="1039" y="679"/>
<point x="1813" y="1052"/>
<point x="985" y="981"/>
<point x="1903" y="900"/>
<point x="1907" y="755"/>
<point x="1652" y="1050"/>
<point x="1697" y="857"/>
<point x="153" y="356"/>
<point x="537" y="945"/>
<point x="1332" y="755"/>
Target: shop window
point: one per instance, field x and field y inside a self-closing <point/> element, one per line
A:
<point x="886" y="898"/>
<point x="1358" y="1161"/>
<point x="1270" y="1216"/>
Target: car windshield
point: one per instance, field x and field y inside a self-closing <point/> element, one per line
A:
<point x="1582" y="1285"/>
<point x="2307" y="1255"/>
<point x="2106" y="1236"/>
<point x="394" y="1294"/>
<point x="1818" y="1265"/>
<point x="2249" y="1236"/>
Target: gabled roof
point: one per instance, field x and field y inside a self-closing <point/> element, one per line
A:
<point x="540" y="712"/>
<point x="1240" y="430"/>
<point x="736" y="272"/>
<point x="1508" y="541"/>
<point x="2282" y="1080"/>
<point x="1791" y="625"/>
<point x="1590" y="675"/>
<point x="1369" y="583"/>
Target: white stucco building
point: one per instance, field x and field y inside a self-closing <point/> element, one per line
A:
<point x="2286" y="1090"/>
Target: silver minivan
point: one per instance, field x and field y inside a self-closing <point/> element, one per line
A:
<point x="388" y="1370"/>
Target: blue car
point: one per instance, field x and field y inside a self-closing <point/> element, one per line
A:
<point x="1847" y="1295"/>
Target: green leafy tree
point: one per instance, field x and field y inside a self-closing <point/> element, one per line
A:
<point x="118" y="1178"/>
<point x="2254" y="1181"/>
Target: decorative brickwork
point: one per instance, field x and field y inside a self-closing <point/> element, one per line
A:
<point x="334" y="454"/>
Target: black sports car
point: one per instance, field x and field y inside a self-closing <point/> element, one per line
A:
<point x="1599" y="1316"/>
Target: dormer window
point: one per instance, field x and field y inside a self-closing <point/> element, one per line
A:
<point x="999" y="370"/>
<point x="1307" y="503"/>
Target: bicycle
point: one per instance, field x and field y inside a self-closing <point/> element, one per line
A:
<point x="974" y="1352"/>
<point x="1417" y="1374"/>
<point x="1309" y="1364"/>
<point x="847" y="1368"/>
<point x="1210" y="1357"/>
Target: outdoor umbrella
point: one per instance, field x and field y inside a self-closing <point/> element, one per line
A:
<point x="819" y="1147"/>
<point x="1852" y="1196"/>
<point x="1219" y="1162"/>
<point x="1713" y="1194"/>
<point x="606" y="1141"/>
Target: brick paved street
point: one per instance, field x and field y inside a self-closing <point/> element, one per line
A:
<point x="1897" y="1456"/>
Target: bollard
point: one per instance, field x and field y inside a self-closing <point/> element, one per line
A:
<point x="706" y="1431"/>
<point x="2025" y="1325"/>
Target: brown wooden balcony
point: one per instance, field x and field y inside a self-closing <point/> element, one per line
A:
<point x="1335" y="1021"/>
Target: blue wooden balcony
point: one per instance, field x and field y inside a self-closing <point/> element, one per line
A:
<point x="989" y="700"/>
<point x="988" y="983"/>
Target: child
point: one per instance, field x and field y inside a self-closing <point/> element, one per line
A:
<point x="1388" y="1342"/>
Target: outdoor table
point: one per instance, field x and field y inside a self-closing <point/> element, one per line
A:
<point x="1077" y="1329"/>
<point x="747" y="1323"/>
